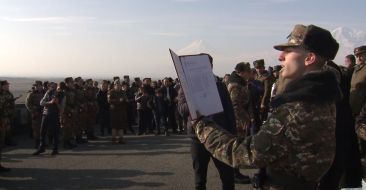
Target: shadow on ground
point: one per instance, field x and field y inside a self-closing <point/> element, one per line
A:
<point x="26" y="179"/>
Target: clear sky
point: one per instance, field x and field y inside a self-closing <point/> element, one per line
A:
<point x="104" y="38"/>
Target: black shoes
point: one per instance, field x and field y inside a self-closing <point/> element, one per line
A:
<point x="54" y="152"/>
<point x="81" y="141"/>
<point x="92" y="137"/>
<point x="242" y="179"/>
<point x="69" y="145"/>
<point x="3" y="169"/>
<point x="39" y="151"/>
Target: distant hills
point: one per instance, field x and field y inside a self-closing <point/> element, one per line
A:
<point x="348" y="39"/>
<point x="196" y="47"/>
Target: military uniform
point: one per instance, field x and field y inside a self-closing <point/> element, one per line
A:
<point x="240" y="98"/>
<point x="358" y="88"/>
<point x="7" y="102"/>
<point x="267" y="80"/>
<point x="32" y="103"/>
<point x="296" y="144"/>
<point x="358" y="99"/>
<point x="118" y="110"/>
<point x="361" y="133"/>
<point x="69" y="118"/>
<point x="80" y="102"/>
<point x="286" y="145"/>
<point x="91" y="110"/>
<point x="3" y="124"/>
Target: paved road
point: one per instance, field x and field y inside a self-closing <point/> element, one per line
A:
<point x="145" y="162"/>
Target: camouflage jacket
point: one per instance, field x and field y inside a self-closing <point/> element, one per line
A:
<point x="298" y="139"/>
<point x="7" y="105"/>
<point x="117" y="99"/>
<point x="91" y="99"/>
<point x="32" y="102"/>
<point x="267" y="81"/>
<point x="80" y="100"/>
<point x="240" y="97"/>
<point x="358" y="88"/>
<point x="69" y="97"/>
<point x="361" y="123"/>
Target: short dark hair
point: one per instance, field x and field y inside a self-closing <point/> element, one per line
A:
<point x="242" y="67"/>
<point x="352" y="58"/>
<point x="209" y="57"/>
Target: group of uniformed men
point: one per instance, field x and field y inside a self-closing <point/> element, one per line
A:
<point x="291" y="122"/>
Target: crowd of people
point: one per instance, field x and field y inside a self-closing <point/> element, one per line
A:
<point x="285" y="113"/>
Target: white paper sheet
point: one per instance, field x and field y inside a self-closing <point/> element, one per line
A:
<point x="198" y="83"/>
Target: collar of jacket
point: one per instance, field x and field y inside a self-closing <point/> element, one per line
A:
<point x="235" y="78"/>
<point x="316" y="87"/>
<point x="360" y="66"/>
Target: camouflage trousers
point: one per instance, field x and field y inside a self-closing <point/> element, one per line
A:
<point x="4" y="127"/>
<point x="81" y="122"/>
<point x="36" y="126"/>
<point x="243" y="126"/>
<point x="362" y="148"/>
<point x="90" y="120"/>
<point x="68" y="125"/>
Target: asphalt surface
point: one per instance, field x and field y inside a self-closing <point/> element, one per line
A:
<point x="144" y="162"/>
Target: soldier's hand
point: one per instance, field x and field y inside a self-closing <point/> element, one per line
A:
<point x="263" y="108"/>
<point x="199" y="117"/>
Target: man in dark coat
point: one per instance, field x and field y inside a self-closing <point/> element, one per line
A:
<point x="200" y="156"/>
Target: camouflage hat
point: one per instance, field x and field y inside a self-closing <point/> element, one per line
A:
<point x="38" y="82"/>
<point x="359" y="50"/>
<point x="258" y="63"/>
<point x="124" y="83"/>
<point x="312" y="38"/>
<point x="277" y="68"/>
<point x="78" y="79"/>
<point x="68" y="79"/>
<point x="242" y="67"/>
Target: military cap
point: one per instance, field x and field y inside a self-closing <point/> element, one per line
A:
<point x="126" y="76"/>
<point x="4" y="82"/>
<point x="258" y="63"/>
<point x="78" y="78"/>
<point x="124" y="83"/>
<point x="359" y="50"/>
<point x="312" y="38"/>
<point x="242" y="67"/>
<point x="68" y="79"/>
<point x="38" y="82"/>
<point x="115" y="78"/>
<point x="277" y="68"/>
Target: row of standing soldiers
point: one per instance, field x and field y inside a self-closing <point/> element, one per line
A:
<point x="114" y="106"/>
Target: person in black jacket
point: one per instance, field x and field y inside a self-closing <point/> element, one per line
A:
<point x="104" y="114"/>
<point x="160" y="111"/>
<point x="170" y="95"/>
<point x="200" y="156"/>
<point x="346" y="169"/>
